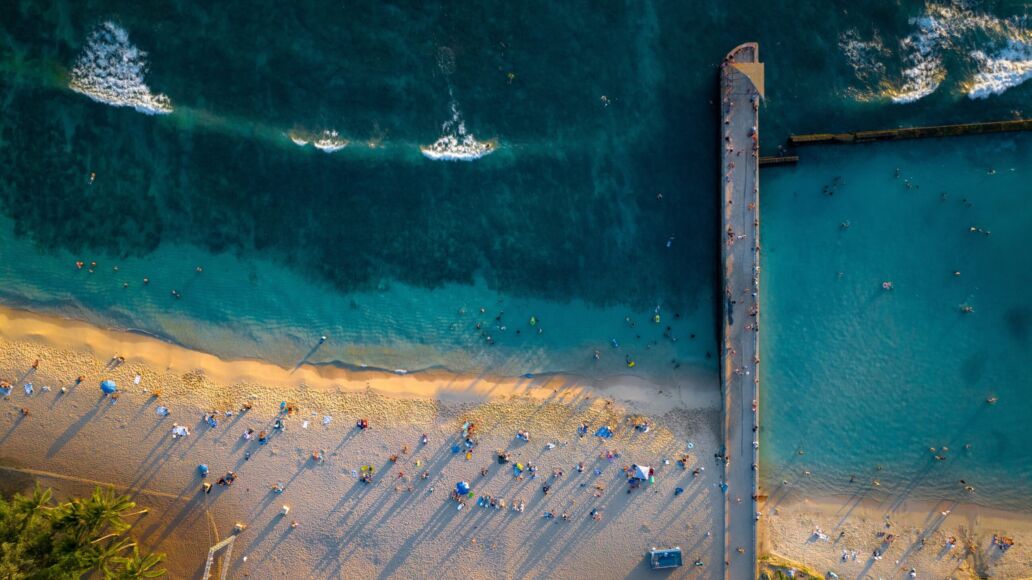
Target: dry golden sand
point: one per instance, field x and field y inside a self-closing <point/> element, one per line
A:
<point x="790" y="533"/>
<point x="395" y="527"/>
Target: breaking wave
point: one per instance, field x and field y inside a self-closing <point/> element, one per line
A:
<point x="456" y="144"/>
<point x="1008" y="68"/>
<point x="111" y="70"/>
<point x="923" y="71"/>
<point x="941" y="33"/>
<point x="327" y="140"/>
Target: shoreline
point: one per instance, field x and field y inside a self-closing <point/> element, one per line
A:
<point x="549" y="406"/>
<point x="69" y="437"/>
<point x="920" y="528"/>
<point x="157" y="353"/>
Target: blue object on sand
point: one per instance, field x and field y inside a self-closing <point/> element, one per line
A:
<point x="462" y="487"/>
<point x="662" y="559"/>
<point x="455" y="448"/>
<point x="604" y="432"/>
<point x="108" y="386"/>
<point x="203" y="470"/>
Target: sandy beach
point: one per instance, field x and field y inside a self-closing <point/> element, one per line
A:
<point x="402" y="524"/>
<point x="920" y="534"/>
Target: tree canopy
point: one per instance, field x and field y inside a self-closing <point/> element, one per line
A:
<point x="41" y="539"/>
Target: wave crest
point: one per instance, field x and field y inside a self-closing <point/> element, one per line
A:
<point x="456" y="144"/>
<point x="326" y="140"/>
<point x="1004" y="58"/>
<point x="1007" y="68"/>
<point x="111" y="70"/>
<point x="924" y="70"/>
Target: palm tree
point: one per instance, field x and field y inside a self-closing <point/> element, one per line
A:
<point x="40" y="498"/>
<point x="103" y="510"/>
<point x="139" y="566"/>
<point x="108" y="553"/>
<point x="29" y="506"/>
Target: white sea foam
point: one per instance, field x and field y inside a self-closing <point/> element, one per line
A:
<point x="924" y="70"/>
<point x="998" y="72"/>
<point x="326" y="140"/>
<point x="946" y="30"/>
<point x="864" y="55"/>
<point x="111" y="70"/>
<point x="456" y="144"/>
<point x="329" y="141"/>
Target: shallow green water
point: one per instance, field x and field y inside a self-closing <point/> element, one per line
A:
<point x="857" y="376"/>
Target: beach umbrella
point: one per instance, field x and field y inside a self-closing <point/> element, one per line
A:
<point x="462" y="487"/>
<point x="108" y="386"/>
<point x="641" y="471"/>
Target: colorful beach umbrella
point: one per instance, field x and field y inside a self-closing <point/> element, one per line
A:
<point x="108" y="386"/>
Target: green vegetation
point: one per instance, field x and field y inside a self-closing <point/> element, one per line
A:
<point x="41" y="539"/>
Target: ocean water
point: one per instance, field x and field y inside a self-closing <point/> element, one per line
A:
<point x="858" y="377"/>
<point x="380" y="173"/>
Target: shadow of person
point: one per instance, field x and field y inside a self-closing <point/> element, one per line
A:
<point x="307" y="356"/>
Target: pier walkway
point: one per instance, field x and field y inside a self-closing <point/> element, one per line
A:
<point x="741" y="88"/>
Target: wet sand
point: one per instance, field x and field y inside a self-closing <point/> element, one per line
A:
<point x="396" y="526"/>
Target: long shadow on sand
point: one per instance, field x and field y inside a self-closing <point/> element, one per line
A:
<point x="73" y="429"/>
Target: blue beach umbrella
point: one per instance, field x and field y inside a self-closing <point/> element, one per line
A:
<point x="462" y="488"/>
<point x="108" y="386"/>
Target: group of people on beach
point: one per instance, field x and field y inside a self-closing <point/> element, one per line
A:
<point x="467" y="443"/>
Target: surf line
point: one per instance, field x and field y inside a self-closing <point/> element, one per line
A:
<point x="111" y="71"/>
<point x="456" y="143"/>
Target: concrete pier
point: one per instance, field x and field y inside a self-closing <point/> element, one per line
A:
<point x="741" y="90"/>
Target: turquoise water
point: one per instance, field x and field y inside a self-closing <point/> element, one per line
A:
<point x="859" y="377"/>
<point x="257" y="308"/>
<point x="294" y="152"/>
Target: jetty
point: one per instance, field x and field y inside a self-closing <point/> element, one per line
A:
<point x="912" y="133"/>
<point x="741" y="92"/>
<point x="779" y="160"/>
